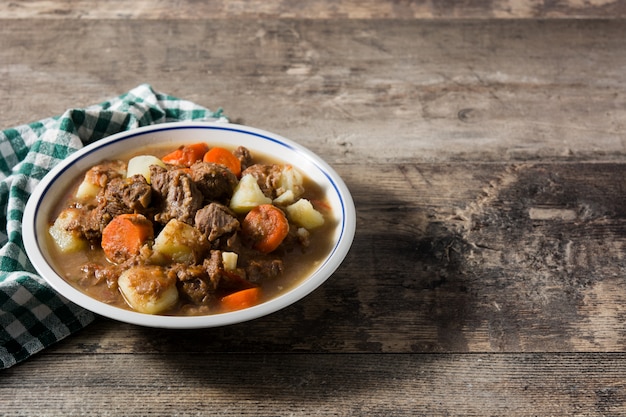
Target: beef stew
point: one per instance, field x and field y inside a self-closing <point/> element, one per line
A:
<point x="173" y="233"/>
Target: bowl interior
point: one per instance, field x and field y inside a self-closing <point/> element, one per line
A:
<point x="45" y="199"/>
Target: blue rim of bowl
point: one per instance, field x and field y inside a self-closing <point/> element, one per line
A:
<point x="347" y="228"/>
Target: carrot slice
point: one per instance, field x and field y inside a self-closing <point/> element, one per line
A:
<point x="267" y="226"/>
<point x="124" y="236"/>
<point x="241" y="299"/>
<point x="186" y="155"/>
<point x="224" y="157"/>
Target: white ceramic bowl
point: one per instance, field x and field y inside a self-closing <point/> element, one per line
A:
<point x="46" y="196"/>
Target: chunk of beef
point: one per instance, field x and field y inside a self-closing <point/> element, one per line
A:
<point x="102" y="173"/>
<point x="259" y="269"/>
<point x="119" y="196"/>
<point x="245" y="157"/>
<point x="216" y="182"/>
<point x="124" y="195"/>
<point x="95" y="221"/>
<point x="138" y="194"/>
<point x="198" y="283"/>
<point x="176" y="195"/>
<point x="134" y="193"/>
<point x="84" y="222"/>
<point x="216" y="220"/>
<point x="158" y="179"/>
<point x="267" y="176"/>
<point x="214" y="265"/>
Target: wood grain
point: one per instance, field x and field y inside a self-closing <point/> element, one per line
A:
<point x="317" y="9"/>
<point x="468" y="91"/>
<point x="449" y="258"/>
<point x="336" y="385"/>
<point x="483" y="142"/>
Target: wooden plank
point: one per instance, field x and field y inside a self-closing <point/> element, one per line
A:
<point x="486" y="161"/>
<point x="321" y="385"/>
<point x="317" y="9"/>
<point x="468" y="91"/>
<point x="449" y="258"/>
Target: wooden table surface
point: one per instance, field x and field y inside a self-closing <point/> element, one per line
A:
<point x="484" y="144"/>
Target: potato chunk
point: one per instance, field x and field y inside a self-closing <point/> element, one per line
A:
<point x="141" y="165"/>
<point x="229" y="260"/>
<point x="247" y="195"/>
<point x="304" y="214"/>
<point x="67" y="239"/>
<point x="87" y="190"/>
<point x="148" y="289"/>
<point x="179" y="242"/>
<point x="290" y="184"/>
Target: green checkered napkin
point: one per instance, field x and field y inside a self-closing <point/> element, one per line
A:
<point x="32" y="315"/>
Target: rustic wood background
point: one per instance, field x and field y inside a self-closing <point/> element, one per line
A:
<point x="315" y="9"/>
<point x="483" y="142"/>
